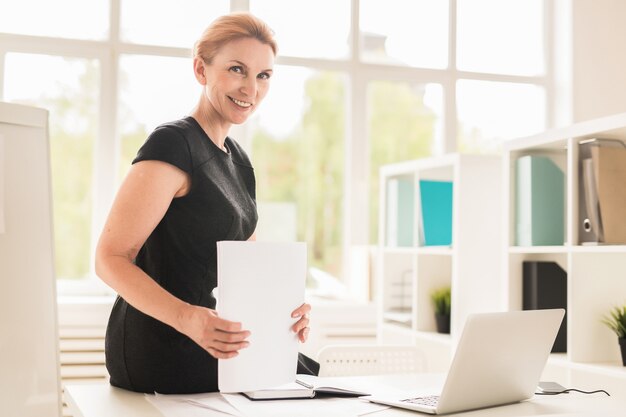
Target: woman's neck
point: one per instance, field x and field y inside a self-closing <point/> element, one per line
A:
<point x="213" y="125"/>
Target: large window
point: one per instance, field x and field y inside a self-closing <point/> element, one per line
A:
<point x="357" y="84"/>
<point x="69" y="89"/>
<point x="404" y="122"/>
<point x="59" y="18"/>
<point x="152" y="90"/>
<point x="167" y="23"/>
<point x="308" y="29"/>
<point x="509" y="41"/>
<point x="298" y="150"/>
<point x="405" y="32"/>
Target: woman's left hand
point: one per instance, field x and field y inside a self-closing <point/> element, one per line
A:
<point x="301" y="326"/>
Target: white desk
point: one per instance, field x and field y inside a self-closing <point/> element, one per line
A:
<point x="106" y="401"/>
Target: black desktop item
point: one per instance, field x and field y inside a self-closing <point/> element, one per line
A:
<point x="545" y="287"/>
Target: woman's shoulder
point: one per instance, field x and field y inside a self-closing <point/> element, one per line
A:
<point x="181" y="133"/>
<point x="181" y="127"/>
<point x="169" y="142"/>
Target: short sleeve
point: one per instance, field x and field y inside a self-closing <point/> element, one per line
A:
<point x="168" y="145"/>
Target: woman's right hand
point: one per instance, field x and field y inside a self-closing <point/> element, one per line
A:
<point x="221" y="338"/>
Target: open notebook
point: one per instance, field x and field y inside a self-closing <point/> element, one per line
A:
<point x="301" y="389"/>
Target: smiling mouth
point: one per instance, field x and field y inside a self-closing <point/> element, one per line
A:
<point x="240" y="103"/>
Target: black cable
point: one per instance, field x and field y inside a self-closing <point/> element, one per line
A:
<point x="565" y="391"/>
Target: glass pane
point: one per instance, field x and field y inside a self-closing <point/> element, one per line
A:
<point x="168" y="23"/>
<point x="510" y="41"/>
<point x="490" y="112"/>
<point x="405" y="32"/>
<point x="69" y="89"/>
<point x="298" y="155"/>
<point x="312" y="29"/>
<point x="77" y="19"/>
<point x="145" y="80"/>
<point x="405" y="120"/>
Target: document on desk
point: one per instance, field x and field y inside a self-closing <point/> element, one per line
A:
<point x="259" y="285"/>
<point x="192" y="405"/>
<point x="327" y="407"/>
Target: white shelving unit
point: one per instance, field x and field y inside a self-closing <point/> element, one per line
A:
<point x="596" y="275"/>
<point x="470" y="265"/>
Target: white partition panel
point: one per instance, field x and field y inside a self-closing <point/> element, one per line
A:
<point x="29" y="373"/>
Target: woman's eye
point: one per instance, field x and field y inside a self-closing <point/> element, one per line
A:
<point x="264" y="76"/>
<point x="237" y="69"/>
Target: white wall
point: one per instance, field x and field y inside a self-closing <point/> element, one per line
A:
<point x="598" y="58"/>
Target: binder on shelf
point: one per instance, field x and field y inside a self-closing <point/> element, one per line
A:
<point x="436" y="211"/>
<point x="400" y="209"/>
<point x="602" y="192"/>
<point x="544" y="287"/>
<point x="540" y="205"/>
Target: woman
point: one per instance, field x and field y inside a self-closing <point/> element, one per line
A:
<point x="189" y="187"/>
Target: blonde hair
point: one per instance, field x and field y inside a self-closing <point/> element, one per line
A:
<point x="232" y="27"/>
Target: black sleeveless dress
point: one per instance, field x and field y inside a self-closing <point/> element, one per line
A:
<point x="144" y="354"/>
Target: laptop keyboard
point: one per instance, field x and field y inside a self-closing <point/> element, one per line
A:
<point x="430" y="400"/>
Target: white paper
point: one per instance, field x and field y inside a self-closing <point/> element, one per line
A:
<point x="260" y="284"/>
<point x="223" y="405"/>
<point x="2" y="175"/>
<point x="192" y="405"/>
<point x="211" y="400"/>
<point x="327" y="407"/>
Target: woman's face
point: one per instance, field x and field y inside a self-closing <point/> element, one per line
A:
<point x="238" y="78"/>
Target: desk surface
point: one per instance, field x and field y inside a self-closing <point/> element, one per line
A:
<point x="102" y="400"/>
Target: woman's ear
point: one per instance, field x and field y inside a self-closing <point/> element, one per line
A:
<point x="198" y="70"/>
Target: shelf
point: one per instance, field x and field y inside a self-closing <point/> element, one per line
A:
<point x="401" y="328"/>
<point x="467" y="259"/>
<point x="538" y="249"/>
<point x="594" y="272"/>
<point x="612" y="369"/>
<point x="419" y="250"/>
<point x="434" y="250"/>
<point x="567" y="249"/>
<point x="599" y="249"/>
<point x="445" y="339"/>
<point x="403" y="317"/>
<point x="400" y="250"/>
<point x="611" y="127"/>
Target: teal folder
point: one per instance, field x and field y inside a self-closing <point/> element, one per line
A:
<point x="436" y="202"/>
<point x="540" y="205"/>
<point x="400" y="212"/>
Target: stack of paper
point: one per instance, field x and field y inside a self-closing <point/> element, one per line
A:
<point x="260" y="284"/>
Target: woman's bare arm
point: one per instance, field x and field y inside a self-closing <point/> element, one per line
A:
<point x="139" y="206"/>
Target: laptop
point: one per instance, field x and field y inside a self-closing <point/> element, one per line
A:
<point x="499" y="360"/>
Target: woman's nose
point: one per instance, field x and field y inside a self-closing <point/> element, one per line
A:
<point x="249" y="87"/>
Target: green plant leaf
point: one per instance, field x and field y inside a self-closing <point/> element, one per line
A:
<point x="441" y="300"/>
<point x="616" y="321"/>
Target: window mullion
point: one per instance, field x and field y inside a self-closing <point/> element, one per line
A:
<point x="106" y="153"/>
<point x="448" y="140"/>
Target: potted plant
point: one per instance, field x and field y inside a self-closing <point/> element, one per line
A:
<point x="616" y="320"/>
<point x="441" y="303"/>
